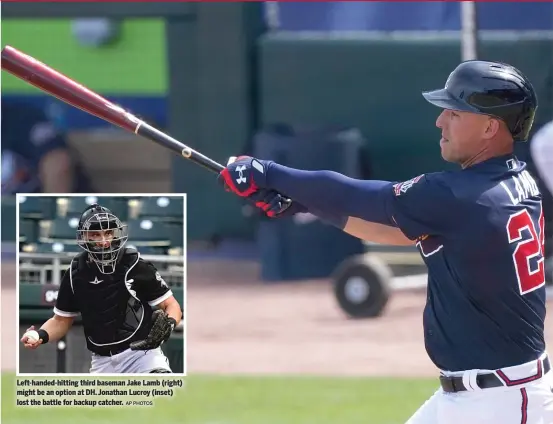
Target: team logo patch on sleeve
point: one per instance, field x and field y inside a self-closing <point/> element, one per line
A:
<point x="401" y="188"/>
<point x="161" y="280"/>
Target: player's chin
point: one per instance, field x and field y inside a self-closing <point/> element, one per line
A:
<point x="447" y="156"/>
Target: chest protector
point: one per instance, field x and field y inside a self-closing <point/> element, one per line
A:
<point x="112" y="314"/>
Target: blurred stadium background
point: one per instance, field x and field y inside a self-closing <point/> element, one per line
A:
<point x="315" y="85"/>
<point x="47" y="243"/>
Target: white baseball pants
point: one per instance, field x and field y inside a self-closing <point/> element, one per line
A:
<point x="529" y="403"/>
<point x="130" y="362"/>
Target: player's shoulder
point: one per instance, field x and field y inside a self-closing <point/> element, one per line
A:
<point x="432" y="182"/>
<point x="133" y="259"/>
<point x="485" y="182"/>
<point x="78" y="259"/>
<point x="445" y="189"/>
<point x="76" y="262"/>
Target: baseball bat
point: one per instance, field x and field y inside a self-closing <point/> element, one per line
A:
<point x="46" y="79"/>
<point x="69" y="91"/>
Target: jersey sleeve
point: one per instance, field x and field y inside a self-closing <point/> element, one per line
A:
<point x="152" y="288"/>
<point x="423" y="206"/>
<point x="66" y="304"/>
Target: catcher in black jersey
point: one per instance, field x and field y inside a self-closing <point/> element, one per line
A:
<point x="115" y="292"/>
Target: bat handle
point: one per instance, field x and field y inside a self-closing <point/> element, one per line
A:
<point x="202" y="160"/>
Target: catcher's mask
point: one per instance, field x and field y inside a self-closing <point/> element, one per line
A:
<point x="102" y="235"/>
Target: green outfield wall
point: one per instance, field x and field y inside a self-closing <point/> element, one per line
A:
<point x="135" y="64"/>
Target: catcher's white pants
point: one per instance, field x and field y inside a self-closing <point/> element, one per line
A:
<point x="530" y="403"/>
<point x="130" y="362"/>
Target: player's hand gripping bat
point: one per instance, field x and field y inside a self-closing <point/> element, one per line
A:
<point x="71" y="92"/>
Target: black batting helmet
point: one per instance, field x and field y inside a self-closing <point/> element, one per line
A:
<point x="490" y="88"/>
<point x="104" y="252"/>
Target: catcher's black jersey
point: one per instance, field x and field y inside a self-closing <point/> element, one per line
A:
<point x="115" y="308"/>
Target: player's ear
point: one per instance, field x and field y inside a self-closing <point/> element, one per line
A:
<point x="492" y="127"/>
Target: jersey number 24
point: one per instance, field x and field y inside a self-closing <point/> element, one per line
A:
<point x="529" y="250"/>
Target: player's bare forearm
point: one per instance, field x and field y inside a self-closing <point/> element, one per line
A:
<point x="57" y="327"/>
<point x="376" y="233"/>
<point x="174" y="311"/>
<point x="172" y="307"/>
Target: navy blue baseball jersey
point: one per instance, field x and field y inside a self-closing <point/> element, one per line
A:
<point x="480" y="231"/>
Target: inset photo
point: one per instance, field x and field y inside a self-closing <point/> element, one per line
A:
<point x="101" y="284"/>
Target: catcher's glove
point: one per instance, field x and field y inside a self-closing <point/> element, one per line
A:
<point x="160" y="331"/>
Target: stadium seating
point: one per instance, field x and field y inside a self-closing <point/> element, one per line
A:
<point x="27" y="231"/>
<point x="32" y="207"/>
<point x="49" y="224"/>
<point x="146" y="232"/>
<point x="161" y="209"/>
<point x="410" y="16"/>
<point x="176" y="235"/>
<point x="63" y="229"/>
<point x="74" y="206"/>
<point x="55" y="247"/>
<point x="32" y="211"/>
<point x="149" y="250"/>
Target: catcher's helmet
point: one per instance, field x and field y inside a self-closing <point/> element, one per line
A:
<point x="490" y="88"/>
<point x="102" y="235"/>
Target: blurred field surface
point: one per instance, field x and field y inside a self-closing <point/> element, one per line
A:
<point x="250" y="400"/>
<point x="270" y="354"/>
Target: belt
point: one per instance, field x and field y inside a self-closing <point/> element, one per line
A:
<point x="110" y="352"/>
<point x="488" y="381"/>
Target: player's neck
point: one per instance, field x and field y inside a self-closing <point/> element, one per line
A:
<point x="489" y="152"/>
